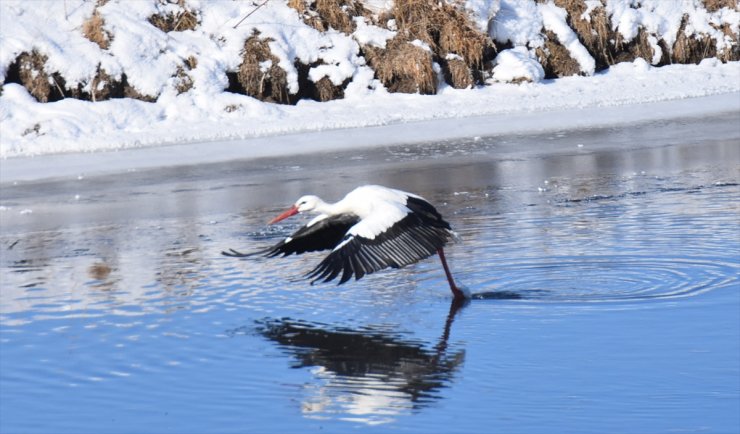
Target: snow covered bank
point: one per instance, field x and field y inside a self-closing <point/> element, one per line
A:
<point x="75" y="126"/>
<point x="174" y="62"/>
<point x="74" y="166"/>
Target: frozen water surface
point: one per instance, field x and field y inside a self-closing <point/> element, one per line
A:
<point x="604" y="267"/>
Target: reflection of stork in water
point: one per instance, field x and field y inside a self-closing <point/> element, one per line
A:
<point x="369" y="372"/>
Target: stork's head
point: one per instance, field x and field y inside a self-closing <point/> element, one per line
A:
<point x="307" y="203"/>
<point x="304" y="204"/>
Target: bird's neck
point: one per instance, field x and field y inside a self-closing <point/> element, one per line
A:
<point x="332" y="209"/>
<point x="326" y="208"/>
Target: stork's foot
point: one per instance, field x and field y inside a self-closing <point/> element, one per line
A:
<point x="460" y="292"/>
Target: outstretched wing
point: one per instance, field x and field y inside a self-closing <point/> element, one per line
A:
<point x="416" y="236"/>
<point x="319" y="234"/>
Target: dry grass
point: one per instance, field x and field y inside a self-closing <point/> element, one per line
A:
<point x="130" y="91"/>
<point x="32" y="75"/>
<point x="594" y="33"/>
<point x="191" y="62"/>
<point x="325" y="90"/>
<point x="605" y="45"/>
<point x="183" y="80"/>
<point x="184" y="19"/>
<point x="446" y="28"/>
<point x="449" y="33"/>
<point x="715" y="5"/>
<point x="556" y="59"/>
<point x="28" y="70"/>
<point x="454" y="43"/>
<point x="325" y="14"/>
<point x="609" y="47"/>
<point x="403" y="67"/>
<point x="458" y="74"/>
<point x="637" y="47"/>
<point x="730" y="53"/>
<point x="102" y="87"/>
<point x="94" y="29"/>
<point x="298" y="5"/>
<point x="259" y="74"/>
<point x="693" y="48"/>
<point x="321" y="90"/>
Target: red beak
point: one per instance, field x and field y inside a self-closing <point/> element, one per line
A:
<point x="292" y="211"/>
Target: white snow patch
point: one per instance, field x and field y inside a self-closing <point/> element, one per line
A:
<point x="483" y="12"/>
<point x="518" y="22"/>
<point x="516" y="64"/>
<point x="368" y="34"/>
<point x="378" y="6"/>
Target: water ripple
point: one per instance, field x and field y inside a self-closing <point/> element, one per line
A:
<point x="612" y="278"/>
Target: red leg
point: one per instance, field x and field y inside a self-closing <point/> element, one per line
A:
<point x="456" y="292"/>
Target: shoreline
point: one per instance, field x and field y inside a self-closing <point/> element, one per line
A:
<point x="48" y="166"/>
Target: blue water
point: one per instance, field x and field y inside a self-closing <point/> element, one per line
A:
<point x="605" y="282"/>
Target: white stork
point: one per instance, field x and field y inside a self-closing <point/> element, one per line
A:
<point x="371" y="229"/>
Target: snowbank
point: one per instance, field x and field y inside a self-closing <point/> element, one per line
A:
<point x="74" y="126"/>
<point x="175" y="61"/>
<point x="78" y="165"/>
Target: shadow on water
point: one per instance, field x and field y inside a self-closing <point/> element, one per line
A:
<point x="369" y="373"/>
<point x="496" y="295"/>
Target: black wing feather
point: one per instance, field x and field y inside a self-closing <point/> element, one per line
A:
<point x="426" y="211"/>
<point x="415" y="237"/>
<point x="322" y="235"/>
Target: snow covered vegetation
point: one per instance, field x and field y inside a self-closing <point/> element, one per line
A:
<point x="83" y="75"/>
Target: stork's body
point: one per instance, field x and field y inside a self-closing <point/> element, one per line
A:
<point x="371" y="229"/>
